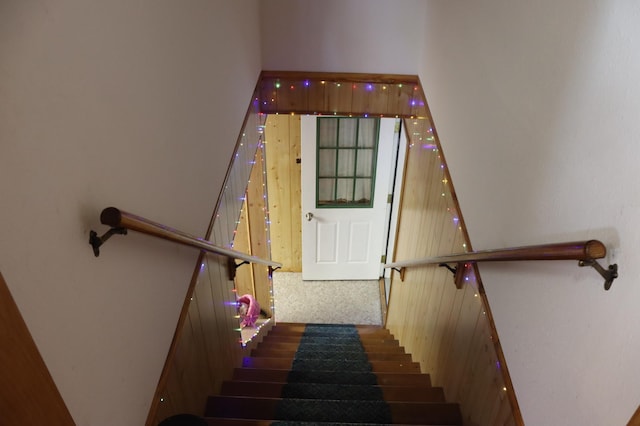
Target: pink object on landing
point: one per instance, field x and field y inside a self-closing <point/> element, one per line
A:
<point x="250" y="311"/>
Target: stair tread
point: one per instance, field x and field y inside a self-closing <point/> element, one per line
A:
<point x="331" y="365"/>
<point x="327" y="374"/>
<point x="291" y="354"/>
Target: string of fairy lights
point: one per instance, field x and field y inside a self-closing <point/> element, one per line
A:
<point x="400" y="99"/>
<point x="421" y="134"/>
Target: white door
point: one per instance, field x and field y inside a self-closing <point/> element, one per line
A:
<point x="344" y="205"/>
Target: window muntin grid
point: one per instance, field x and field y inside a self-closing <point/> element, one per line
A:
<point x="346" y="161"/>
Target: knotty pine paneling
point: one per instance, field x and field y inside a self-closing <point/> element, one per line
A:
<point x="242" y="243"/>
<point x="287" y="92"/>
<point x="259" y="232"/>
<point x="445" y="329"/>
<point x="282" y="143"/>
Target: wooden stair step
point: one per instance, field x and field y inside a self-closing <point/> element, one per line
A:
<point x="270" y="338"/>
<point x="287" y="364"/>
<point x="422" y="413"/>
<point x="280" y="376"/>
<point x="289" y="346"/>
<point x="372" y="356"/>
<point x="220" y="421"/>
<point x="390" y="393"/>
<point x="301" y="329"/>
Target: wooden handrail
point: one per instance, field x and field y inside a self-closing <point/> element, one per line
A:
<point x="586" y="252"/>
<point x="120" y="221"/>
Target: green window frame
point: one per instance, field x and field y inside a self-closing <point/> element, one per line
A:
<point x="346" y="153"/>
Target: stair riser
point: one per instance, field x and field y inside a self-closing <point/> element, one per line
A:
<point x="333" y="374"/>
<point x="280" y="376"/>
<point x="275" y="390"/>
<point x="411" y="413"/>
<point x="296" y="339"/>
<point x="286" y="364"/>
<point x="363" y="333"/>
<point x="266" y="353"/>
<point x="293" y="347"/>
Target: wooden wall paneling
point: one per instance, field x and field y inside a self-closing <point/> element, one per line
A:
<point x="178" y="396"/>
<point x="488" y="412"/>
<point x="169" y="400"/>
<point x="446" y="302"/>
<point x="505" y="415"/>
<point x="454" y="302"/>
<point x="430" y="188"/>
<point x="257" y="228"/>
<point x="635" y="419"/>
<point x="28" y="394"/>
<point x="207" y="346"/>
<point x="284" y="190"/>
<point x="441" y="223"/>
<point x="361" y="96"/>
<point x="339" y="98"/>
<point x="471" y="371"/>
<point x="233" y="335"/>
<point x="226" y="323"/>
<point x="442" y="330"/>
<point x="295" y="194"/>
<point x="486" y="406"/>
<point x="452" y="340"/>
<point x="278" y="163"/>
<point x="436" y="216"/>
<point x="419" y="291"/>
<point x="414" y="199"/>
<point x="430" y="288"/>
<point x="318" y="97"/>
<point x="434" y="309"/>
<point x="192" y="370"/>
<point x="430" y="302"/>
<point x="379" y="100"/>
<point x="399" y="99"/>
<point x="296" y="95"/>
<point x="244" y="282"/>
<point x="463" y="335"/>
<point x="205" y="323"/>
<point x="329" y="93"/>
<point x="266" y="94"/>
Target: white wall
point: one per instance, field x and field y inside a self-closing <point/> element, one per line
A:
<point x="369" y="36"/>
<point x="131" y="104"/>
<point x="536" y="105"/>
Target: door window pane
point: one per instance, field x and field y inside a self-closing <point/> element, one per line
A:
<point x="346" y="156"/>
<point x="346" y="162"/>
<point x="326" y="163"/>
<point x="326" y="191"/>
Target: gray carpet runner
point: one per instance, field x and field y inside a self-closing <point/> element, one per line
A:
<point x="331" y="381"/>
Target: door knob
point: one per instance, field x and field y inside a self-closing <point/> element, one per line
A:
<point x="309" y="216"/>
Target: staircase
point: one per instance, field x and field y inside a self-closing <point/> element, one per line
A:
<point x="332" y="375"/>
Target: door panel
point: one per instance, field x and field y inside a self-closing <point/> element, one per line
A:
<point x="344" y="243"/>
<point x="327" y="242"/>
<point x="359" y="240"/>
